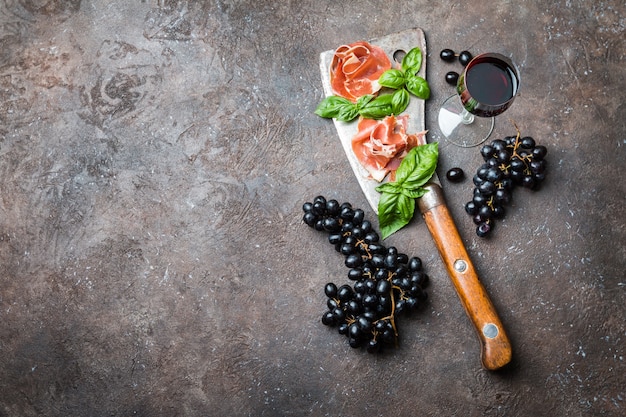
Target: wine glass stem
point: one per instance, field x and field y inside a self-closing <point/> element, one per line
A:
<point x="467" y="117"/>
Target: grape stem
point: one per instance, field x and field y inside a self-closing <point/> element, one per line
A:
<point x="526" y="158"/>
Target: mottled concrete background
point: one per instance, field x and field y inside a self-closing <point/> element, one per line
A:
<point x="154" y="158"/>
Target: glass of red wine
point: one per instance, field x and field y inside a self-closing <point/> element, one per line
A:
<point x="486" y="88"/>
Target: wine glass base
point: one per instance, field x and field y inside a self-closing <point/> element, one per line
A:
<point x="458" y="129"/>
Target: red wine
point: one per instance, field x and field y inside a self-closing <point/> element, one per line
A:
<point x="491" y="82"/>
<point x="488" y="85"/>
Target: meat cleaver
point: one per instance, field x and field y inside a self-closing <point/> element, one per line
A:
<point x="495" y="345"/>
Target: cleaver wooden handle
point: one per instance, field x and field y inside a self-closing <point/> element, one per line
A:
<point x="495" y="346"/>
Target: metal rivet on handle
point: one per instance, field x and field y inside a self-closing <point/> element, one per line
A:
<point x="490" y="330"/>
<point x="460" y="265"/>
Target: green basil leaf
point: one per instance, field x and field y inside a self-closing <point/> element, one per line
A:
<point x="418" y="166"/>
<point x="392" y="78"/>
<point x="363" y="100"/>
<point x="389" y="187"/>
<point x="394" y="212"/>
<point x="332" y="106"/>
<point x="409" y="164"/>
<point x="377" y="108"/>
<point x="347" y="113"/>
<point x="418" y="86"/>
<point x="414" y="193"/>
<point x="400" y="101"/>
<point x="412" y="62"/>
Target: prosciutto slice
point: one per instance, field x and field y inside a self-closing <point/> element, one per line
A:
<point x="355" y="70"/>
<point x="380" y="145"/>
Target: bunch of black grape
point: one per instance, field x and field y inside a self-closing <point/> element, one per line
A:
<point x="509" y="162"/>
<point x="386" y="283"/>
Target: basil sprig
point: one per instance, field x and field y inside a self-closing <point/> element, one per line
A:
<point x="367" y="106"/>
<point x="397" y="201"/>
<point x="407" y="77"/>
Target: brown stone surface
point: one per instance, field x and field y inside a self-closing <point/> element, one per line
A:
<point x="154" y="157"/>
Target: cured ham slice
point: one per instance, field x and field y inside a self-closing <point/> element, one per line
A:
<point x="380" y="145"/>
<point x="355" y="70"/>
